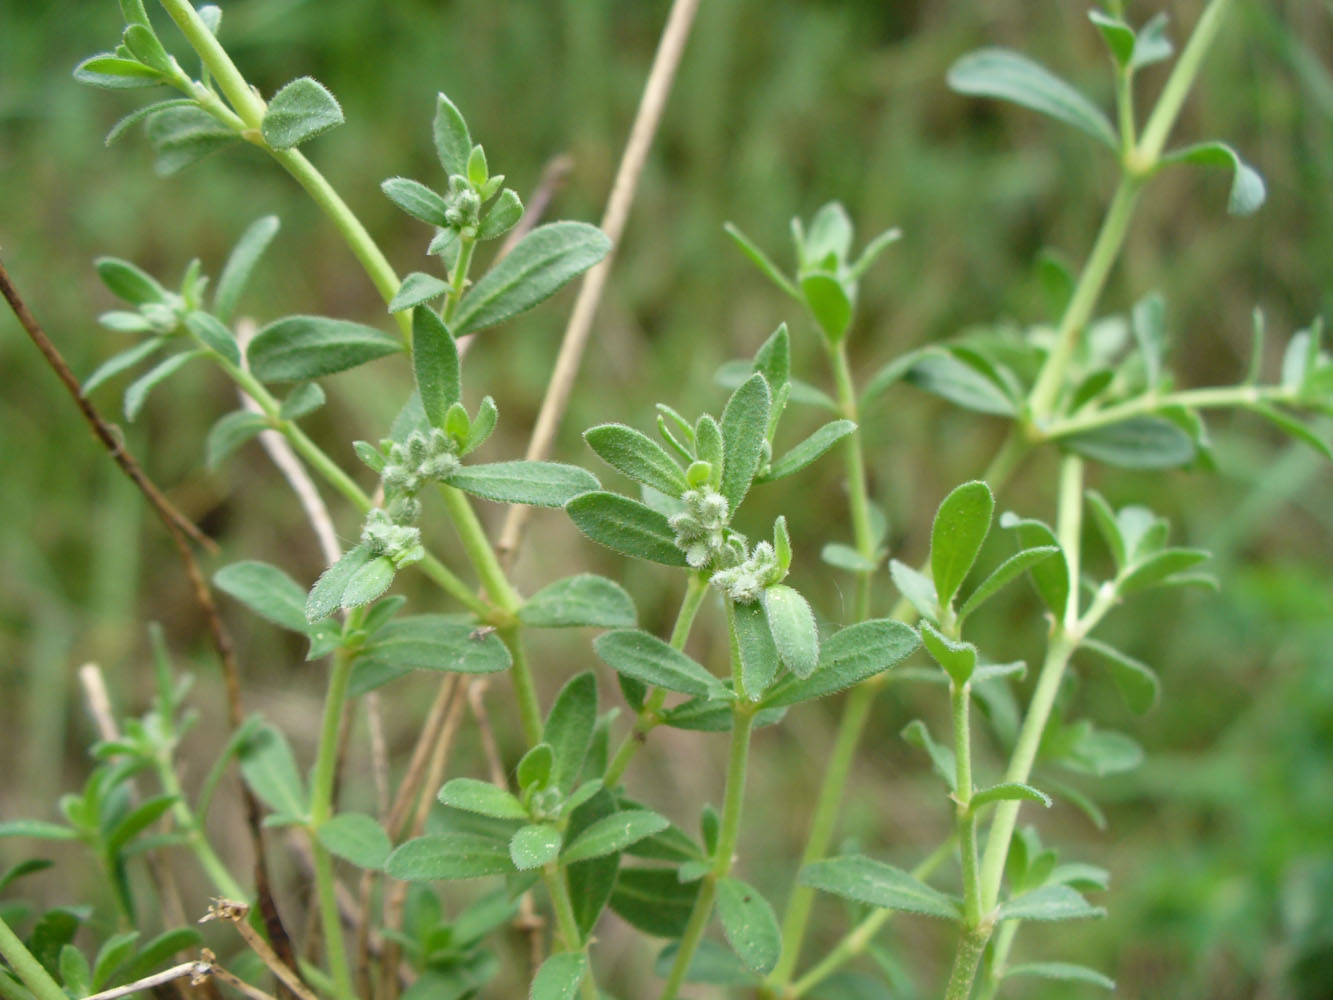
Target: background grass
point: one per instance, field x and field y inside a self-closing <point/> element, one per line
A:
<point x="1219" y="846"/>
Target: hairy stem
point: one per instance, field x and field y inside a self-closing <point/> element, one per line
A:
<point x="960" y="698"/>
<point x="567" y="924"/>
<point x="965" y="961"/>
<point x="857" y="494"/>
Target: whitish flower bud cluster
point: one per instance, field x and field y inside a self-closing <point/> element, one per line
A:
<point x="701" y="528"/>
<point x="744" y="582"/>
<point x="462" y="204"/>
<point x="421" y="459"/>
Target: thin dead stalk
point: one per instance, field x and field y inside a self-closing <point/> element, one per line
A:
<point x="182" y="531"/>
<point x="235" y="912"/>
<point x="623" y="188"/>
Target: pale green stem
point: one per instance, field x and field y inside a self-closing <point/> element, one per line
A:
<point x="647" y="718"/>
<point x="960" y="698"/>
<point x="1183" y="74"/>
<point x="458" y="277"/>
<point x="1058" y="651"/>
<point x="1105" y="250"/>
<point x="250" y="108"/>
<point x="1212" y="398"/>
<point x="321" y="810"/>
<point x="223" y="880"/>
<point x="860" y="936"/>
<point x="857" y="494"/>
<point x="1124" y="101"/>
<point x="1004" y="940"/>
<point x="741" y="727"/>
<point x="25" y="963"/>
<point x="479" y="552"/>
<point x="525" y="691"/>
<point x="568" y="925"/>
<point x="965" y="961"/>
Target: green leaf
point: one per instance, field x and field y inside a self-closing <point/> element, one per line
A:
<point x="1293" y="427"/>
<point x="845" y="557"/>
<point x="631" y="528"/>
<point x="957" y="658"/>
<point x="368" y="582"/>
<point x="265" y="590"/>
<point x="481" y="426"/>
<point x="417" y="289"/>
<point x="829" y="303"/>
<point x="502" y="216"/>
<point x="304" y="347"/>
<point x="1003" y="573"/>
<point x="773" y="359"/>
<point x="961" y="525"/>
<point x="115" y="952"/>
<point x="1049" y="576"/>
<point x="872" y="251"/>
<point x="357" y="838"/>
<point x="1152" y="45"/>
<point x="534" y="845"/>
<point x="612" y="834"/>
<point x="327" y="594"/>
<point x="847" y="657"/>
<point x="1064" y="971"/>
<point x="712" y="963"/>
<point x="1050" y="902"/>
<point x="184" y="135"/>
<point x="215" y="334"/>
<point x="416" y="200"/>
<point x="1008" y="76"/>
<point x="1118" y="35"/>
<point x="431" y="642"/>
<point x="761" y="260"/>
<point x="1008" y="791"/>
<point x="569" y="727"/>
<point x="792" y="625"/>
<point x="159" y="949"/>
<point x="75" y="975"/>
<point x="128" y="282"/>
<point x="535" y="768"/>
<point x="538" y="484"/>
<point x="559" y="977"/>
<point x="532" y="271"/>
<point x="298" y="112"/>
<point x="1159" y="568"/>
<point x="117" y="363"/>
<point x="733" y="373"/>
<point x="959" y="380"/>
<point x="755" y="646"/>
<point x="744" y="423"/>
<point x="810" y="449"/>
<point x="865" y="880"/>
<point x="648" y="659"/>
<point x="637" y="456"/>
<point x="36" y="828"/>
<point x="830" y="238"/>
<point x="114" y="73"/>
<point x="749" y="924"/>
<point x="145" y="47"/>
<point x="917" y="588"/>
<point x="453" y="143"/>
<point x="591" y="882"/>
<point x="1247" y="186"/>
<point x="941" y="757"/>
<point x="137" y="393"/>
<point x="269" y="768"/>
<point x="435" y="364"/>
<point x="483" y="798"/>
<point x="654" y="900"/>
<point x="1137" y="683"/>
<point x="449" y="856"/>
<point x="241" y="265"/>
<point x="582" y="600"/>
<point x="305" y="398"/>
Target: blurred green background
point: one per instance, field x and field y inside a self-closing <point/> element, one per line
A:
<point x="1220" y="846"/>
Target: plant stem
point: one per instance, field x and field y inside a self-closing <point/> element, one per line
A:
<point x="647" y="719"/>
<point x="458" y="277"/>
<point x="1111" y="238"/>
<point x="965" y="961"/>
<point x="321" y="810"/>
<point x="248" y="104"/>
<point x="25" y="963"/>
<point x="742" y="725"/>
<point x="1178" y="84"/>
<point x="1004" y="940"/>
<point x="1060" y="647"/>
<point x="567" y="924"/>
<point x="223" y="880"/>
<point x="1212" y="398"/>
<point x="529" y="709"/>
<point x="478" y="549"/>
<point x="857" y="494"/>
<point x="960" y="698"/>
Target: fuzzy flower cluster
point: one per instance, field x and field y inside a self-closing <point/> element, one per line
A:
<point x="421" y="459"/>
<point x="701" y="528"/>
<point x="463" y="205"/>
<point x="745" y="581"/>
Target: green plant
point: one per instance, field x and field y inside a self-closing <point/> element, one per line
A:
<point x="1092" y="389"/>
